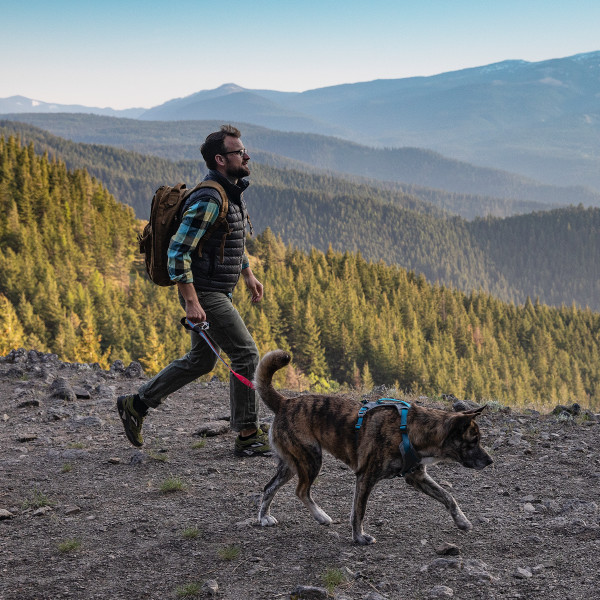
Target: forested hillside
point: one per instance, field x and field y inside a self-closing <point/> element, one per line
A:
<point x="553" y="255"/>
<point x="70" y="283"/>
<point x="177" y="140"/>
<point x="133" y="176"/>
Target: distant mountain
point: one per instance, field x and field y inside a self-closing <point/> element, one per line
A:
<point x="233" y="103"/>
<point x="20" y="104"/>
<point x="408" y="167"/>
<point x="538" y="119"/>
<point x="541" y="120"/>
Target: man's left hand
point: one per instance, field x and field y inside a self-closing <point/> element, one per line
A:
<point x="255" y="287"/>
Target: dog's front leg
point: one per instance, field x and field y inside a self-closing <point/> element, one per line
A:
<point x="364" y="485"/>
<point x="420" y="480"/>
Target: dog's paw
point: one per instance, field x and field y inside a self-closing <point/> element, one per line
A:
<point x="325" y="520"/>
<point x="463" y="524"/>
<point x="364" y="539"/>
<point x="268" y="521"/>
<point x="321" y="516"/>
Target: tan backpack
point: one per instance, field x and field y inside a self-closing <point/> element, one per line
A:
<point x="165" y="218"/>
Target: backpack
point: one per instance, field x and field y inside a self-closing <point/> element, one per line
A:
<point x="165" y="218"/>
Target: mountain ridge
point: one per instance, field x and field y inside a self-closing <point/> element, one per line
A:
<point x="411" y="166"/>
<point x="509" y="115"/>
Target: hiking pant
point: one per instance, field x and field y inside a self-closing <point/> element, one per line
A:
<point x="229" y="333"/>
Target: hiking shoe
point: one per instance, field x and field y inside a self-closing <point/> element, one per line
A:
<point x="257" y="445"/>
<point x="132" y="419"/>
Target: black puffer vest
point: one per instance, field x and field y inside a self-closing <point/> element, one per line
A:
<point x="210" y="274"/>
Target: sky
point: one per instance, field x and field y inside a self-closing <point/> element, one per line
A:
<point x="134" y="53"/>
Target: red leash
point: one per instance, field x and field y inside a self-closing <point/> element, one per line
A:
<point x="200" y="329"/>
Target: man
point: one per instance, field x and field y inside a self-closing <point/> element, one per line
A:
<point x="205" y="283"/>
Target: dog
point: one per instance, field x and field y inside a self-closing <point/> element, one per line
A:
<point x="305" y="425"/>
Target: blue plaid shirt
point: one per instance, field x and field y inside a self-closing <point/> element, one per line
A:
<point x="196" y="220"/>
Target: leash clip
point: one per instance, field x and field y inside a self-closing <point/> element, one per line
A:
<point x="197" y="327"/>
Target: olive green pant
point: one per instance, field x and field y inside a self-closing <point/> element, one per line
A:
<point x="229" y="333"/>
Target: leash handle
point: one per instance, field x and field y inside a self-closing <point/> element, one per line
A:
<point x="200" y="329"/>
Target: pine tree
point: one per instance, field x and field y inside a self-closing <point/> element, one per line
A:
<point x="11" y="332"/>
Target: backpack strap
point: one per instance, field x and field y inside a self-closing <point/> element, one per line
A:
<point x="221" y="218"/>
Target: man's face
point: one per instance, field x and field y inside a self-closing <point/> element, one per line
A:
<point x="236" y="158"/>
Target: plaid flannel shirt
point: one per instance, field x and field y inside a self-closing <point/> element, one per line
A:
<point x="196" y="220"/>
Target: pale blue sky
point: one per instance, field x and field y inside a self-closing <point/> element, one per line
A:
<point x="126" y="53"/>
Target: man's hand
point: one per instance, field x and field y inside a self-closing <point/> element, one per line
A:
<point x="255" y="287"/>
<point x="193" y="311"/>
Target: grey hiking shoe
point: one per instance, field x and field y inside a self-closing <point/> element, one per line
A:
<point x="257" y="445"/>
<point x="131" y="418"/>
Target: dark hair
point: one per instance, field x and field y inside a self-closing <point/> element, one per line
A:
<point x="215" y="144"/>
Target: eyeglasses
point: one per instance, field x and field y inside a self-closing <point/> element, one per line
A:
<point x="240" y="153"/>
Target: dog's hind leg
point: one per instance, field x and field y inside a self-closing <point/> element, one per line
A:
<point x="308" y="465"/>
<point x="420" y="480"/>
<point x="281" y="477"/>
<point x="364" y="485"/>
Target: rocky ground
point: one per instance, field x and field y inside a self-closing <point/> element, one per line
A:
<point x="85" y="515"/>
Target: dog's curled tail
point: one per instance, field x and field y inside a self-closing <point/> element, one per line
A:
<point x="268" y="365"/>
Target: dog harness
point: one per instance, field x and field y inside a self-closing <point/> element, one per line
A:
<point x="410" y="460"/>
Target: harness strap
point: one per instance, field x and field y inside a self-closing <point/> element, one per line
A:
<point x="410" y="460"/>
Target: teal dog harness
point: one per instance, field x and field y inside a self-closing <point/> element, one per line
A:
<point x="410" y="460"/>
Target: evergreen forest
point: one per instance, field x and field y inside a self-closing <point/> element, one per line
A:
<point x="553" y="255"/>
<point x="72" y="283"/>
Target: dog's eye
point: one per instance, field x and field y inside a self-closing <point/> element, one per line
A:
<point x="472" y="442"/>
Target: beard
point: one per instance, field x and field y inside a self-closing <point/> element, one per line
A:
<point x="237" y="172"/>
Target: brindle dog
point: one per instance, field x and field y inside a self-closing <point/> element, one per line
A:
<point x="304" y="425"/>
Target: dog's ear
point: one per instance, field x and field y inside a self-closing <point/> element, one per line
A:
<point x="475" y="412"/>
<point x="460" y="421"/>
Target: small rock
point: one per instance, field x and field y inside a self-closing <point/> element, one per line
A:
<point x="41" y="511"/>
<point x="349" y="573"/>
<point x="522" y="573"/>
<point x="246" y="523"/>
<point x="137" y="458"/>
<point x="461" y="405"/>
<point x="308" y="592"/>
<point x="72" y="510"/>
<point x="27" y="437"/>
<point x="74" y="454"/>
<point x="60" y="388"/>
<point x="444" y="563"/>
<point x="82" y="394"/>
<point x="106" y="391"/>
<point x="537" y="569"/>
<point x="478" y="569"/>
<point x="134" y="371"/>
<point x="579" y="507"/>
<point x="117" y="367"/>
<point x="212" y="429"/>
<point x="441" y="591"/>
<point x="374" y="596"/>
<point x="56" y="414"/>
<point x="211" y="587"/>
<point x="114" y="460"/>
<point x="28" y="403"/>
<point x="447" y="549"/>
<point x="88" y="421"/>
<point x="528" y="507"/>
<point x="5" y="514"/>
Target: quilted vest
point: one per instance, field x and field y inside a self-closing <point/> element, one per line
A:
<point x="211" y="274"/>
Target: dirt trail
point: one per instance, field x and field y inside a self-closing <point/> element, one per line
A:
<point x="84" y="515"/>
